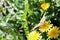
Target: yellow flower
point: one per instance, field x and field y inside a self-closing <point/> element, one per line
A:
<point x="34" y="35"/>
<point x="53" y="32"/>
<point x="45" y="27"/>
<point x="45" y="6"/>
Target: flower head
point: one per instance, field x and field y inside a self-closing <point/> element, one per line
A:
<point x="45" y="6"/>
<point x="34" y="35"/>
<point x="53" y="32"/>
<point x="45" y="27"/>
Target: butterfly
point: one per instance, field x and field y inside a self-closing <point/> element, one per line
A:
<point x="41" y="22"/>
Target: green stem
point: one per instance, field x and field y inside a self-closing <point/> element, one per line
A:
<point x="24" y="18"/>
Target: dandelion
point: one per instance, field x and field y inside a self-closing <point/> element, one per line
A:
<point x="34" y="35"/>
<point x="53" y="32"/>
<point x="45" y="6"/>
<point x="45" y="27"/>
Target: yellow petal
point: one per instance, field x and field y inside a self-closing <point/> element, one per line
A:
<point x="45" y="27"/>
<point x="53" y="32"/>
<point x="45" y="6"/>
<point x="34" y="35"/>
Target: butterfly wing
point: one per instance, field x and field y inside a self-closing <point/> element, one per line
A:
<point x="41" y="22"/>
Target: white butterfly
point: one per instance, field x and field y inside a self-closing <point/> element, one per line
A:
<point x="41" y="22"/>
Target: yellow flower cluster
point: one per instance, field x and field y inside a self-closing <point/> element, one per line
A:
<point x="45" y="6"/>
<point x="52" y="32"/>
<point x="34" y="35"/>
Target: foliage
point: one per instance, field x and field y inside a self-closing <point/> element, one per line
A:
<point x="18" y="17"/>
